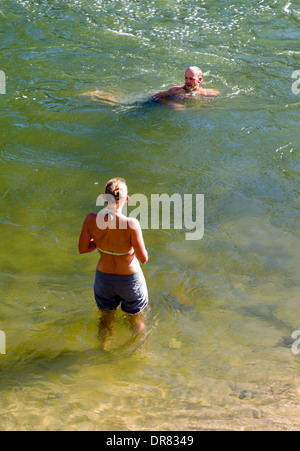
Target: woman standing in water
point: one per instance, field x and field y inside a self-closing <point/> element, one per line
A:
<point x="119" y="277"/>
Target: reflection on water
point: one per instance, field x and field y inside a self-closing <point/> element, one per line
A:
<point x="216" y="352"/>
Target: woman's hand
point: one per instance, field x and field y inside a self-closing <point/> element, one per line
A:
<point x="92" y="246"/>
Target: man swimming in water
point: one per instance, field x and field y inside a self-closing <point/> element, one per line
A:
<point x="174" y="97"/>
<point x="190" y="90"/>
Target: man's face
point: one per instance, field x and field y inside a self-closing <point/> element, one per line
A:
<point x="192" y="80"/>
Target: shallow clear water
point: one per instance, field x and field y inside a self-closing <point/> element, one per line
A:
<point x="217" y="350"/>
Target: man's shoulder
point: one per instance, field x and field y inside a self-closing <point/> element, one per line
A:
<point x="176" y="89"/>
<point x="208" y="92"/>
<point x="170" y="92"/>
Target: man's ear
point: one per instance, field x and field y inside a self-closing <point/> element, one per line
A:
<point x="200" y="79"/>
<point x="127" y="199"/>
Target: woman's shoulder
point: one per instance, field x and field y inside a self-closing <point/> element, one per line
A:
<point x="91" y="217"/>
<point x="90" y="220"/>
<point x="133" y="223"/>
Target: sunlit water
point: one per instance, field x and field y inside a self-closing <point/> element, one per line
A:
<point x="217" y="353"/>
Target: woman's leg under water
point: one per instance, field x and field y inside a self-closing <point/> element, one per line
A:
<point x="105" y="327"/>
<point x="136" y="323"/>
<point x="107" y="320"/>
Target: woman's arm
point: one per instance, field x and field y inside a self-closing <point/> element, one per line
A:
<point x="86" y="243"/>
<point x="137" y="241"/>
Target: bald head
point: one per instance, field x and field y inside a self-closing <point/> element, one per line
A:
<point x="196" y="70"/>
<point x="193" y="77"/>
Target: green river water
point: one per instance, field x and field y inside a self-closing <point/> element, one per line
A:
<point x="218" y="349"/>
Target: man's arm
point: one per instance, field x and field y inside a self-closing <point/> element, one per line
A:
<point x="163" y="94"/>
<point x="167" y="97"/>
<point x="210" y="92"/>
<point x="160" y="95"/>
<point x="100" y="96"/>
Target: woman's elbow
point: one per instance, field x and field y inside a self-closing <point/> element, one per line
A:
<point x="81" y="250"/>
<point x="144" y="259"/>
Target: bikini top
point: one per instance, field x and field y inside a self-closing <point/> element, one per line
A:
<point x="109" y="212"/>
<point x="114" y="253"/>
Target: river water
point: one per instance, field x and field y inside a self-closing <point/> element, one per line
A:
<point x="218" y="349"/>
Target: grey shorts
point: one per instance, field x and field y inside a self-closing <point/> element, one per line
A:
<point x="130" y="291"/>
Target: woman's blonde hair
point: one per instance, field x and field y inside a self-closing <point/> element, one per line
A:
<point x="117" y="187"/>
